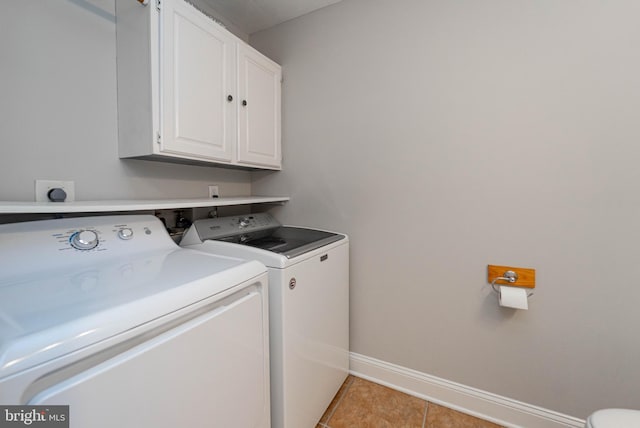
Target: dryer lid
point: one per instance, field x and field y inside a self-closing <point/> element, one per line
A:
<point x="55" y="299"/>
<point x="49" y="314"/>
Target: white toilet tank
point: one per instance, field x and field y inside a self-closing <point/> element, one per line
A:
<point x="614" y="418"/>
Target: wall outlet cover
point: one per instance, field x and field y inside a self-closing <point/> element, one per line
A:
<point x="43" y="187"/>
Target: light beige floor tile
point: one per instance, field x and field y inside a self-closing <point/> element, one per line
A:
<point x="336" y="400"/>
<point x="443" y="417"/>
<point x="369" y="405"/>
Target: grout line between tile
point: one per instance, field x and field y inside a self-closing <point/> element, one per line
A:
<point x="346" y="389"/>
<point x="424" y="418"/>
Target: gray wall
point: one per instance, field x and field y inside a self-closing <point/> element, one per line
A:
<point x="58" y="115"/>
<point x="443" y="136"/>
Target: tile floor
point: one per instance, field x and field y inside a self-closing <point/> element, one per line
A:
<point x="363" y="404"/>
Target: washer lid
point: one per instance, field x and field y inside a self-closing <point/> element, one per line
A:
<point x="614" y="418"/>
<point x="46" y="314"/>
<point x="294" y="241"/>
<point x="260" y="230"/>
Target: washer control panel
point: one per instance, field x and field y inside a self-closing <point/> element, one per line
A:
<point x="222" y="227"/>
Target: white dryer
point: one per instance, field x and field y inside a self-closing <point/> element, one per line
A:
<point x="109" y="316"/>
<point x="308" y="306"/>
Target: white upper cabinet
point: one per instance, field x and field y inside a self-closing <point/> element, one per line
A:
<point x="190" y="91"/>
<point x="197" y="59"/>
<point x="259" y="82"/>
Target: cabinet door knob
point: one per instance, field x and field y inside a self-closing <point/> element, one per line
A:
<point x="244" y="102"/>
<point x="229" y="98"/>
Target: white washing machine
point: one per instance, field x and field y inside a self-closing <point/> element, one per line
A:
<point x="309" y="307"/>
<point x="109" y="316"/>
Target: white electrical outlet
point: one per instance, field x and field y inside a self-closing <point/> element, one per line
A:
<point x="213" y="191"/>
<point x="44" y="186"/>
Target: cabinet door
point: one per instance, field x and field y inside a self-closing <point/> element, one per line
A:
<point x="259" y="82"/>
<point x="198" y="75"/>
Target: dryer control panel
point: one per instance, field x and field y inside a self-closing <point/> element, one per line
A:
<point x="92" y="237"/>
<point x="68" y="241"/>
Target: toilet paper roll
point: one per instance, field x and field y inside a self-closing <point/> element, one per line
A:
<point x="513" y="297"/>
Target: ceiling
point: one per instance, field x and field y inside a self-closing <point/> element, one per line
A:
<point x="254" y="15"/>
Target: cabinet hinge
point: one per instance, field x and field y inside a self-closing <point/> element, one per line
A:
<point x="158" y="5"/>
<point x="158" y="138"/>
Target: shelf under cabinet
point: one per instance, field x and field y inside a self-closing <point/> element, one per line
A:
<point x="10" y="207"/>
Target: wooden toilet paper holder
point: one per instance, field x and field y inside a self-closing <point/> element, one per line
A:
<point x="511" y="276"/>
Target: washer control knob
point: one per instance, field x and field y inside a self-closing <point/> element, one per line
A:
<point x="245" y="221"/>
<point x="85" y="240"/>
<point x="125" y="233"/>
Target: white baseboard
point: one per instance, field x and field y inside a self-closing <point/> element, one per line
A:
<point x="495" y="408"/>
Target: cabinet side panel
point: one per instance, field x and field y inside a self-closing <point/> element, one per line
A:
<point x="135" y="83"/>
